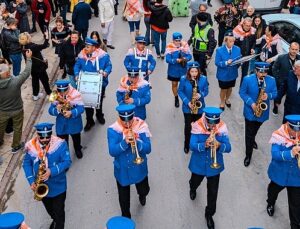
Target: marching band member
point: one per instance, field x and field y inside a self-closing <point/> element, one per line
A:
<point x="140" y="57"/>
<point x="12" y="220"/>
<point x="192" y="89"/>
<point x="135" y="90"/>
<point x="284" y="169"/>
<point x="209" y="141"/>
<point x="178" y="54"/>
<point x="256" y="91"/>
<point x="226" y="73"/>
<point x="91" y="59"/>
<point x="129" y="143"/>
<point x="68" y="107"/>
<point x="52" y="152"/>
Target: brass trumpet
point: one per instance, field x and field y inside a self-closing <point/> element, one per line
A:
<point x="196" y="104"/>
<point x="41" y="188"/>
<point x="138" y="159"/>
<point x="54" y="96"/>
<point x="213" y="150"/>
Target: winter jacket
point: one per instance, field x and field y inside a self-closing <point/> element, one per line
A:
<point x="35" y="9"/>
<point x="81" y="15"/>
<point x="22" y="17"/>
<point x="11" y="40"/>
<point x="106" y="9"/>
<point x="160" y="16"/>
<point x="10" y="90"/>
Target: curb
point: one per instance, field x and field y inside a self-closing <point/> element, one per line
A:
<point x="14" y="165"/>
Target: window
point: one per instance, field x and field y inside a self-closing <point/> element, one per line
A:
<point x="288" y="31"/>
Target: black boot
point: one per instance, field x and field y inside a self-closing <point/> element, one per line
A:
<point x="247" y="161"/>
<point x="89" y="125"/>
<point x="79" y="154"/>
<point x="210" y="222"/>
<point x="142" y="200"/>
<point x="270" y="210"/>
<point x="209" y="4"/>
<point x="101" y="119"/>
<point x="193" y="194"/>
<point x="176" y="101"/>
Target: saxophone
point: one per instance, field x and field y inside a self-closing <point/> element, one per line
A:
<point x="138" y="159"/>
<point x="41" y="188"/>
<point x="261" y="106"/>
<point x="196" y="104"/>
<point x="66" y="106"/>
<point x="213" y="150"/>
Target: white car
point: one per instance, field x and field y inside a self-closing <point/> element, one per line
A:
<point x="266" y="6"/>
<point x="288" y="26"/>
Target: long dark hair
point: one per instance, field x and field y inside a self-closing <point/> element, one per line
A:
<point x="188" y="74"/>
<point x="99" y="40"/>
<point x="260" y="29"/>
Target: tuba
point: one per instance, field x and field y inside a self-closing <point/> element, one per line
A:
<point x="54" y="96"/>
<point x="261" y="106"/>
<point x="196" y="104"/>
<point x="138" y="159"/>
<point x="213" y="150"/>
<point x="41" y="188"/>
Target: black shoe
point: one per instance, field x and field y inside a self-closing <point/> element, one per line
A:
<point x="186" y="150"/>
<point x="210" y="222"/>
<point x="142" y="200"/>
<point x="89" y="126"/>
<point x="270" y="210"/>
<point x="176" y="101"/>
<point x="275" y="111"/>
<point x="228" y="105"/>
<point x="247" y="161"/>
<point x="110" y="46"/>
<point x="222" y="108"/>
<point x="193" y="194"/>
<point x="209" y="4"/>
<point x="33" y="30"/>
<point x="53" y="225"/>
<point x="79" y="154"/>
<point x="101" y="119"/>
<point x="255" y="145"/>
<point x="19" y="147"/>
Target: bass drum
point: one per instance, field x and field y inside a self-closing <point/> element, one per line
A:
<point x="90" y="87"/>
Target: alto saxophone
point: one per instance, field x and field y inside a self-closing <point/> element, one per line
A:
<point x="196" y="104"/>
<point x="54" y="96"/>
<point x="41" y="188"/>
<point x="213" y="150"/>
<point x="138" y="159"/>
<point x="261" y="106"/>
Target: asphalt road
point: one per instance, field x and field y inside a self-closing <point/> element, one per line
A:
<point x="92" y="192"/>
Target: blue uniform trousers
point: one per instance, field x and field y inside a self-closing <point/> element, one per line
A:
<point x="293" y="200"/>
<point x="212" y="191"/>
<point x="142" y="189"/>
<point x="55" y="207"/>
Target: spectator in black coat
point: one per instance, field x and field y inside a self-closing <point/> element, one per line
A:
<point x="281" y="68"/>
<point x="69" y="52"/>
<point x="39" y="65"/>
<point x="291" y="88"/>
<point x="80" y="18"/>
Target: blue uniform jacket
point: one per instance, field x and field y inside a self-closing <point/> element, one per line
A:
<point x="141" y="97"/>
<point x="201" y="160"/>
<point x="58" y="161"/>
<point x="125" y="170"/>
<point x="185" y="92"/>
<point x="87" y="66"/>
<point x="249" y="92"/>
<point x="175" y="69"/>
<point x="72" y="125"/>
<point x="130" y="61"/>
<point x="283" y="169"/>
<point x="227" y="72"/>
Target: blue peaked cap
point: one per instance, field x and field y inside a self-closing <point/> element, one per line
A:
<point x="140" y="39"/>
<point x="228" y="1"/>
<point x="62" y="84"/>
<point x="126" y="111"/>
<point x="177" y="36"/>
<point x="133" y="71"/>
<point x="193" y="64"/>
<point x="44" y="129"/>
<point x="294" y="121"/>
<point x="12" y="220"/>
<point x="212" y="114"/>
<point x="119" y="222"/>
<point x="90" y="41"/>
<point x="262" y="66"/>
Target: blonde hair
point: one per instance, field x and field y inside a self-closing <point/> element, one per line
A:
<point x="24" y="38"/>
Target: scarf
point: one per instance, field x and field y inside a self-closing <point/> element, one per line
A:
<point x="138" y="126"/>
<point x="126" y="86"/>
<point x="239" y="32"/>
<point x="271" y="41"/>
<point x="73" y="97"/>
<point x="97" y="54"/>
<point x="282" y="137"/>
<point x="199" y="127"/>
<point x="184" y="47"/>
<point x="133" y="6"/>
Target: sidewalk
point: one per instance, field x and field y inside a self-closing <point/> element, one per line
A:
<point x="31" y="113"/>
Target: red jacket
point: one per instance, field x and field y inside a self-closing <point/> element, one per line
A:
<point x="36" y="11"/>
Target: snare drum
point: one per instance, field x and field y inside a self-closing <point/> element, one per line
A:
<point x="90" y="87"/>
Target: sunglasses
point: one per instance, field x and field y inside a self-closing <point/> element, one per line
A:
<point x="44" y="137"/>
